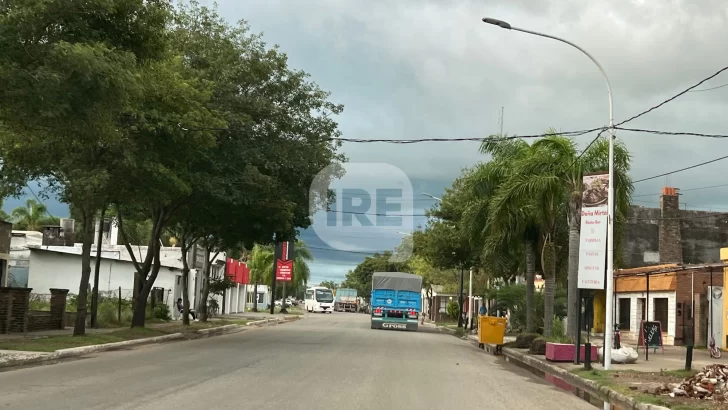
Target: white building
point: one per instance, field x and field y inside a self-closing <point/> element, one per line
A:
<point x="20" y="243"/>
<point x="60" y="267"/>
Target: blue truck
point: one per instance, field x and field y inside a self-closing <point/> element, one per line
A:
<point x="396" y="300"/>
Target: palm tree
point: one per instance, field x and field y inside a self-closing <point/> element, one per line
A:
<point x="260" y="264"/>
<point x="301" y="272"/>
<point x="496" y="223"/>
<point x="559" y="163"/>
<point x="32" y="216"/>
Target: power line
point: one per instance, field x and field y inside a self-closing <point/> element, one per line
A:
<point x="681" y="169"/>
<point x="673" y="97"/>
<point x="39" y="200"/>
<point x="689" y="134"/>
<point x="370" y="213"/>
<point x="709" y="89"/>
<point x="683" y="190"/>
<point x="347" y="251"/>
<point x="467" y="139"/>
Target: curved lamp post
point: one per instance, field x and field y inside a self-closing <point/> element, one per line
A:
<point x="609" y="323"/>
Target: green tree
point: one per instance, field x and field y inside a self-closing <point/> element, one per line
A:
<point x="361" y="277"/>
<point x="503" y="226"/>
<point x="69" y="77"/>
<point x="264" y="111"/>
<point x="561" y="164"/>
<point x="260" y="263"/>
<point x="330" y="284"/>
<point x="32" y="217"/>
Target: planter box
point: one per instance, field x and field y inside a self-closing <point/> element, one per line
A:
<point x="561" y="352"/>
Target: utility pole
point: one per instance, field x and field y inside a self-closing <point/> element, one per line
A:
<point x="470" y="299"/>
<point x="97" y="268"/>
<point x="501" y="122"/>
<point x="460" y="295"/>
<point x="273" y="276"/>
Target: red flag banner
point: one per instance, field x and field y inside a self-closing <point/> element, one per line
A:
<point x="243" y="273"/>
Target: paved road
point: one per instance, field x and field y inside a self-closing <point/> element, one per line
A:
<point x="323" y="362"/>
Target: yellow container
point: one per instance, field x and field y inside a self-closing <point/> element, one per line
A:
<point x="491" y="330"/>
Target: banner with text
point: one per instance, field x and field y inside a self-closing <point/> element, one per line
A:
<point x="284" y="261"/>
<point x="594" y="220"/>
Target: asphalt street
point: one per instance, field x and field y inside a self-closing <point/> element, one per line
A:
<point x="332" y="361"/>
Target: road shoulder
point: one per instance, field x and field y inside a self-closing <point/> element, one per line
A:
<point x="19" y="358"/>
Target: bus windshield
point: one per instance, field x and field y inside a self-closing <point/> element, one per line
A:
<point x="324" y="295"/>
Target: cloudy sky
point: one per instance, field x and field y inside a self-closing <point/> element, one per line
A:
<point x="430" y="68"/>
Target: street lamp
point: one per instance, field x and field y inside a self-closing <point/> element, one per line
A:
<point x="432" y="196"/>
<point x="609" y="325"/>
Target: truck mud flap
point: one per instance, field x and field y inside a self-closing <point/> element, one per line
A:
<point x="378" y="324"/>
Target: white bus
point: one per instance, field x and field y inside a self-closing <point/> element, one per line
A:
<point x="319" y="299"/>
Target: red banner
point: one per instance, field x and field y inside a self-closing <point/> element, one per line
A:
<point x="284" y="270"/>
<point x="230" y="267"/>
<point x="237" y="271"/>
<point x="243" y="274"/>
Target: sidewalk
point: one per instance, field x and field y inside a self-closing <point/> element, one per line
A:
<point x="91" y="331"/>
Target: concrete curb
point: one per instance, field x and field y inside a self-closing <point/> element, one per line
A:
<point x="80" y="351"/>
<point x="83" y="350"/>
<point x="593" y="388"/>
<point x="273" y="321"/>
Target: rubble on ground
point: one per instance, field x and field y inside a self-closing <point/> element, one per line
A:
<point x="708" y="384"/>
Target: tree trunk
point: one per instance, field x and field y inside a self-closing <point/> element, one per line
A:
<point x="530" y="272"/>
<point x="97" y="269"/>
<point x="548" y="304"/>
<point x="205" y="291"/>
<point x="548" y="265"/>
<point x="572" y="306"/>
<point x="88" y="238"/>
<point x="255" y="297"/>
<point x="139" y="316"/>
<point x="185" y="281"/>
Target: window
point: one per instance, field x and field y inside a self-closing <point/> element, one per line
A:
<point x="260" y="297"/>
<point x="625" y="305"/>
<point x="309" y="294"/>
<point x="660" y="312"/>
<point x="324" y="296"/>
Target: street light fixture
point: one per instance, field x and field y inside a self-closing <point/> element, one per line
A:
<point x="432" y="196"/>
<point x="609" y="322"/>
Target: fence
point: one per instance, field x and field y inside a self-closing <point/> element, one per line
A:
<point x="115" y="308"/>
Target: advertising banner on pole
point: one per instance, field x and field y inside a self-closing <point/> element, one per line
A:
<point x="593" y="244"/>
<point x="284" y="261"/>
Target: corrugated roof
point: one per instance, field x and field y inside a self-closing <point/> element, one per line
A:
<point x="668" y="268"/>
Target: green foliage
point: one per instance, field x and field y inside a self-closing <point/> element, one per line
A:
<point x="32" y="217"/>
<point x="170" y="114"/>
<point x="453" y="309"/>
<point x="218" y="286"/>
<point x="161" y="311"/>
<point x="330" y="284"/>
<point x="361" y="277"/>
<point x="558" y="332"/>
<point x="513" y="299"/>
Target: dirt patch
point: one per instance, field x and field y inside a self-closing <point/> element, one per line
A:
<point x="648" y="387"/>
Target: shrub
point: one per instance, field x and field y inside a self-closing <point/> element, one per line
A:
<point x="453" y="309"/>
<point x="161" y="312"/>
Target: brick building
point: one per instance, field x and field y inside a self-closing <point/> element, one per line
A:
<point x="680" y="249"/>
<point x="669" y="234"/>
<point x="675" y="292"/>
